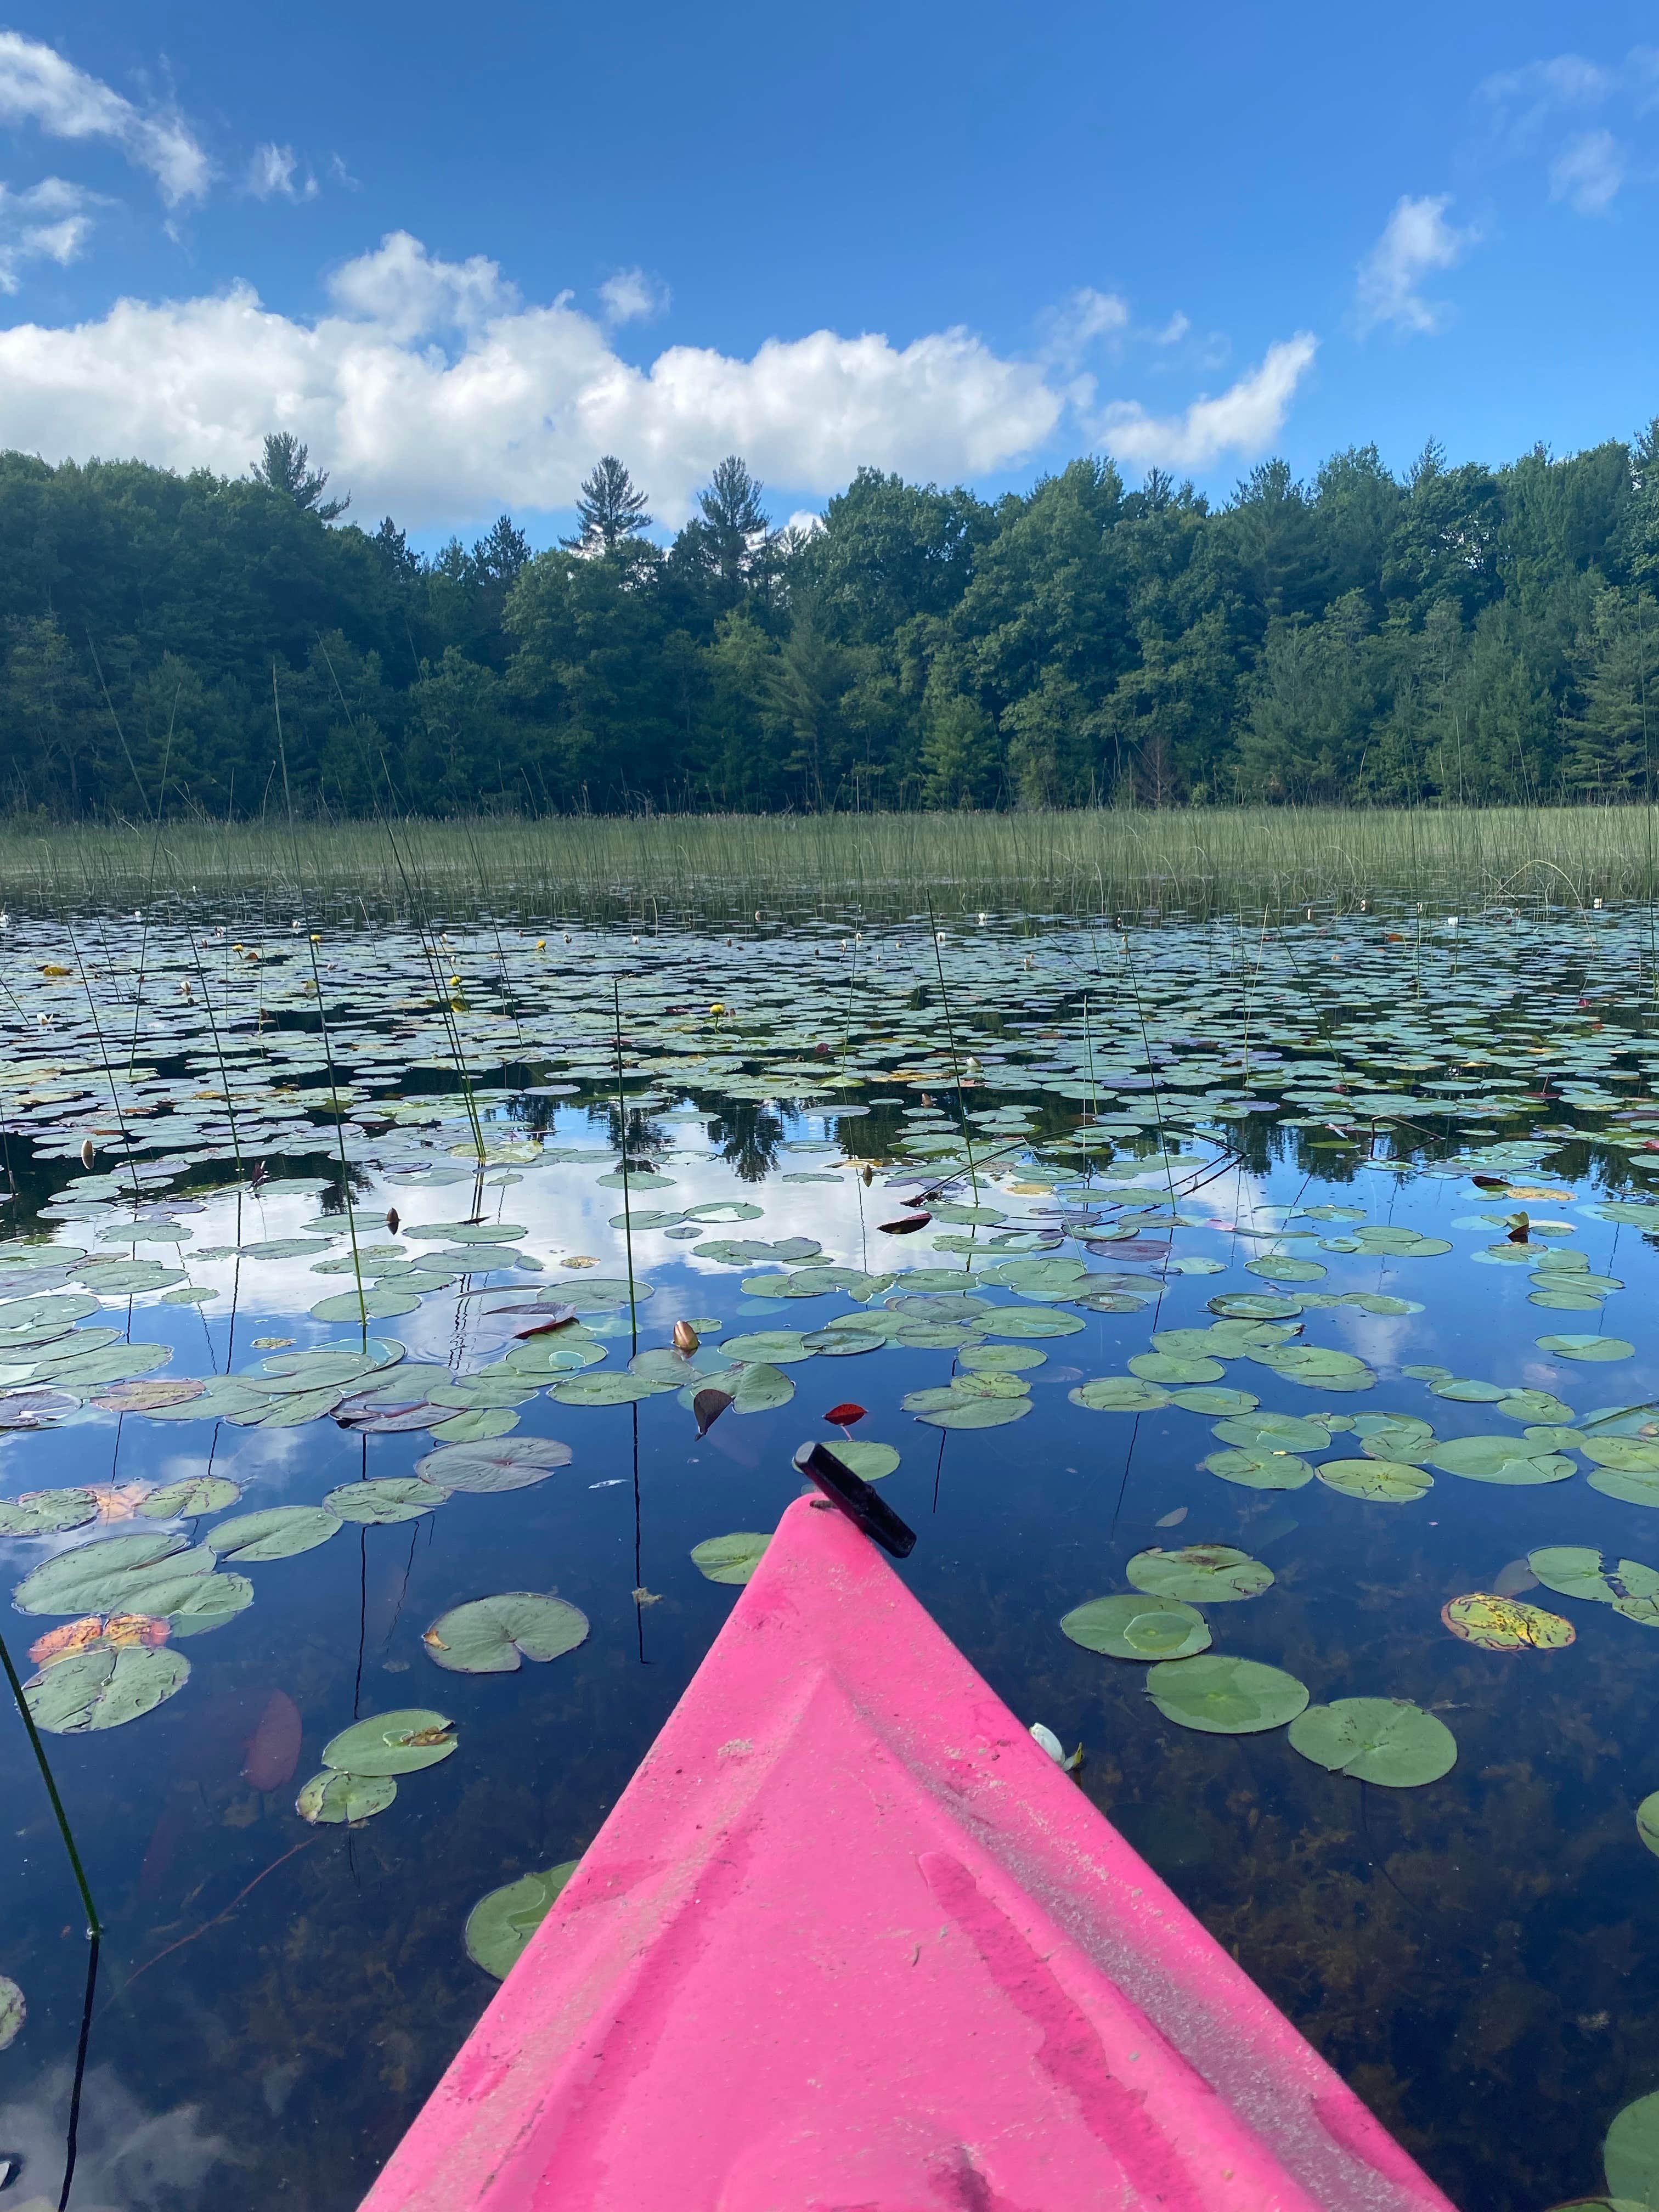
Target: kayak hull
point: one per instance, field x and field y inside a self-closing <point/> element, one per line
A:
<point x="851" y="1941"/>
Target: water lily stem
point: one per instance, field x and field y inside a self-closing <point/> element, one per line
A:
<point x="94" y="1925"/>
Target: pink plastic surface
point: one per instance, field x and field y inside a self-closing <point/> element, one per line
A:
<point x="851" y="1941"/>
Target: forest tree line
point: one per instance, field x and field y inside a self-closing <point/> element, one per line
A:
<point x="235" y="647"/>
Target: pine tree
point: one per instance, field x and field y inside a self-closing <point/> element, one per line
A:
<point x="610" y="510"/>
<point x="284" y="468"/>
<point x="1610" y="742"/>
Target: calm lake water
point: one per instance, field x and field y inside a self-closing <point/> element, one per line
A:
<point x="1413" y="1144"/>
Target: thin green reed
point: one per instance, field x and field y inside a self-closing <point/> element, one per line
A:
<point x="628" y="1209"/>
<point x="94" y="1925"/>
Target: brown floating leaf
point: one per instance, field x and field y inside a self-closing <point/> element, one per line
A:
<point x="708" y="1406"/>
<point x="119" y="1501"/>
<point x="906" y="1226"/>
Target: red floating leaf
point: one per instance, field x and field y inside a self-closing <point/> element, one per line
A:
<point x="708" y="1406"/>
<point x="844" y="1416"/>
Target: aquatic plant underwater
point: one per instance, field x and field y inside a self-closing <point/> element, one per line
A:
<point x="404" y="1331"/>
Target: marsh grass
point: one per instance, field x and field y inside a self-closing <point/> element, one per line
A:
<point x="665" y="869"/>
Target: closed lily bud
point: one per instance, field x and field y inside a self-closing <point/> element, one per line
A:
<point x="391" y="1219"/>
<point x="89" y="1151"/>
<point x="685" y="1337"/>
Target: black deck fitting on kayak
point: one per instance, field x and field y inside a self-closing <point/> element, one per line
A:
<point x="864" y="1506"/>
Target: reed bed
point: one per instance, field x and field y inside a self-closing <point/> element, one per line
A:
<point x="665" y="869"/>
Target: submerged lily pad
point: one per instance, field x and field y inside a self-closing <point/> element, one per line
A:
<point x="335" y="1798"/>
<point x="1132" y="1627"/>
<point x="1199" y="1574"/>
<point x="490" y="1635"/>
<point x="730" y="1558"/>
<point x="501" y="1924"/>
<point x="1222" y="1696"/>
<point x="1386" y="1741"/>
<point x="281" y="1532"/>
<point x="402" y="1742"/>
<point x="105" y="1688"/>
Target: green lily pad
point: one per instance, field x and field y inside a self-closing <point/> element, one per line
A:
<point x="1379" y="1481"/>
<point x="1537" y="1406"/>
<point x="501" y="1924"/>
<point x="759" y="1388"/>
<point x="391" y="1743"/>
<point x="1647" y="1821"/>
<point x="867" y="1459"/>
<point x="1629" y="1454"/>
<point x="595" y="1293"/>
<point x="339" y="1799"/>
<point x="490" y="1635"/>
<point x="1222" y="1696"/>
<point x="90" y="1577"/>
<point x="1317" y="1366"/>
<point x="13" y="2011"/>
<point x="1000" y="1359"/>
<point x="1029" y="1322"/>
<point x="1263" y="1469"/>
<point x="1586" y="1347"/>
<point x="45" y="1512"/>
<point x="1119" y="1394"/>
<point x="1386" y="1741"/>
<point x="976" y="1412"/>
<point x="1210" y="1398"/>
<point x="505" y="1463"/>
<point x="197" y="1493"/>
<point x="376" y="1304"/>
<point x="475" y="1424"/>
<point x="1499" y="1459"/>
<point x="1630" y="2156"/>
<point x="1199" y="1574"/>
<point x="1576" y="1571"/>
<point x="782" y="1346"/>
<point x="384" y="1498"/>
<point x="612" y="1390"/>
<point x="104" y="1689"/>
<point x="1165" y="1367"/>
<point x="1274" y="1431"/>
<point x="1393" y="1436"/>
<point x="730" y="1558"/>
<point x="1281" y="1267"/>
<point x="1132" y="1627"/>
<point x="1632" y="1489"/>
<point x="281" y="1532"/>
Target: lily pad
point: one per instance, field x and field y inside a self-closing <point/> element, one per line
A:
<point x="1505" y="1624"/>
<point x="334" y="1798"/>
<point x="197" y="1493"/>
<point x="376" y="1304"/>
<point x="1265" y="1469"/>
<point x="105" y="1688"/>
<point x="402" y="1742"/>
<point x="1317" y="1366"/>
<point x="92" y="1577"/>
<point x="1630" y="2156"/>
<point x="1499" y="1460"/>
<point x="1647" y="1821"/>
<point x="1199" y="1574"/>
<point x="1386" y="1741"/>
<point x="13" y="2011"/>
<point x="760" y="1388"/>
<point x="281" y="1532"/>
<point x="45" y="1512"/>
<point x="384" y="1498"/>
<point x="730" y="1558"/>
<point x="1273" y="1432"/>
<point x="490" y="1635"/>
<point x="1576" y="1571"/>
<point x="1119" y="1394"/>
<point x="1222" y="1696"/>
<point x="505" y="1463"/>
<point x="1378" y="1481"/>
<point x="867" y="1460"/>
<point x="1132" y="1627"/>
<point x="501" y="1924"/>
<point x="1166" y="1367"/>
<point x="610" y="1390"/>
<point x="1586" y="1347"/>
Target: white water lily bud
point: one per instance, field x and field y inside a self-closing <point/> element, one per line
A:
<point x="1050" y="1742"/>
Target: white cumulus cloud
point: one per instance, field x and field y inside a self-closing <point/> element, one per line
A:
<point x="1416" y="240"/>
<point x="432" y="389"/>
<point x="1588" y="172"/>
<point x="631" y="296"/>
<point x="1244" y="419"/>
<point x="39" y="86"/>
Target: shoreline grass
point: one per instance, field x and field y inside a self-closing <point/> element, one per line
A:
<point x="671" y="869"/>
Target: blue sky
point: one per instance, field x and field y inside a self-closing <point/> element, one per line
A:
<point x="464" y="254"/>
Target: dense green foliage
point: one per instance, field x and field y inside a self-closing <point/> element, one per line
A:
<point x="1466" y="635"/>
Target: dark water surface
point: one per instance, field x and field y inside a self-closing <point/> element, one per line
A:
<point x="1478" y="1956"/>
